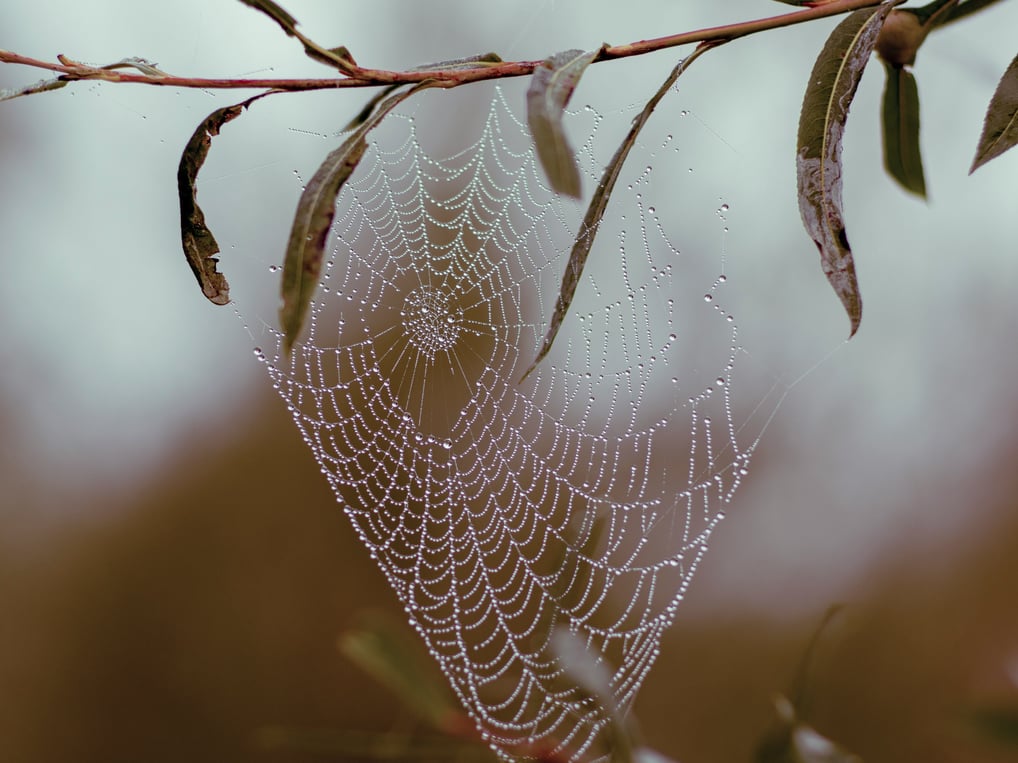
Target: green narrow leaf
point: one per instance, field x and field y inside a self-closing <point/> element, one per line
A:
<point x="829" y="93"/>
<point x="902" y="158"/>
<point x="595" y="211"/>
<point x="400" y="664"/>
<point x="551" y="87"/>
<point x="38" y="87"/>
<point x="317" y="206"/>
<point x="1000" y="129"/>
<point x="200" y="246"/>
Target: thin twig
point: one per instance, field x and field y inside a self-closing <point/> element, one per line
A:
<point x="362" y="77"/>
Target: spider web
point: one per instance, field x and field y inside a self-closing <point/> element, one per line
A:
<point x="501" y="511"/>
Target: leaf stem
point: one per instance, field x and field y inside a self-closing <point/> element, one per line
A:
<point x="452" y="77"/>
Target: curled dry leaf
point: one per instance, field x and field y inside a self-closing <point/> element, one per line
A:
<point x="902" y="157"/>
<point x="1000" y="129"/>
<point x="832" y="86"/>
<point x="595" y="211"/>
<point x="200" y="246"/>
<point x="551" y="87"/>
<point x="316" y="209"/>
<point x="41" y="86"/>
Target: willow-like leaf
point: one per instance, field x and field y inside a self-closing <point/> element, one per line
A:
<point x="470" y="62"/>
<point x="200" y="246"/>
<point x="829" y="93"/>
<point x="399" y="663"/>
<point x="145" y="67"/>
<point x="792" y="741"/>
<point x="551" y="87"/>
<point x="592" y="684"/>
<point x="37" y="87"/>
<point x="315" y="211"/>
<point x="286" y="22"/>
<point x="902" y="157"/>
<point x="998" y="724"/>
<point x="595" y="211"/>
<point x="338" y="58"/>
<point x="1000" y="129"/>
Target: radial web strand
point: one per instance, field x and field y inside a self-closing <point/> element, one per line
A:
<point x="581" y="498"/>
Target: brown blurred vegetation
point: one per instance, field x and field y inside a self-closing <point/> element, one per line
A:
<point x="176" y="627"/>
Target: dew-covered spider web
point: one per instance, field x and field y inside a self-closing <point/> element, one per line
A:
<point x="501" y="510"/>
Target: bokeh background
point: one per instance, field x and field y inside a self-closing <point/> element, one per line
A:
<point x="174" y="572"/>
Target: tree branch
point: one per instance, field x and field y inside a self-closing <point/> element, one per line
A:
<point x="357" y="76"/>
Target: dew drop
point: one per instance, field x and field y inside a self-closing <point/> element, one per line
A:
<point x="707" y="298"/>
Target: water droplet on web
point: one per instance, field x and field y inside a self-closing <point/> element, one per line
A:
<point x="707" y="298"/>
<point x="274" y="268"/>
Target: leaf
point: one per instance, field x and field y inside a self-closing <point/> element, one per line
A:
<point x="997" y="724"/>
<point x="471" y="62"/>
<point x="200" y="246"/>
<point x="1000" y="129"/>
<point x="479" y="61"/>
<point x="39" y="87"/>
<point x="339" y="58"/>
<point x="317" y="206"/>
<point x="595" y="211"/>
<point x="551" y="87"/>
<point x="287" y="22"/>
<point x="902" y="158"/>
<point x="58" y="82"/>
<point x="832" y="85"/>
<point x="647" y="755"/>
<point x="145" y="67"/>
<point x="399" y="663"/>
<point x="792" y="741"/>
<point x="593" y="682"/>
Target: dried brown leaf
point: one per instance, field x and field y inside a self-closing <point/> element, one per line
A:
<point x="829" y="93"/>
<point x="1000" y="129"/>
<point x="315" y="212"/>
<point x="200" y="246"/>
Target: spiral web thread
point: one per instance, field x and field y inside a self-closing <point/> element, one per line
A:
<point x="501" y="511"/>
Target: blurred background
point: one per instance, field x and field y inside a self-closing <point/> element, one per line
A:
<point x="174" y="571"/>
